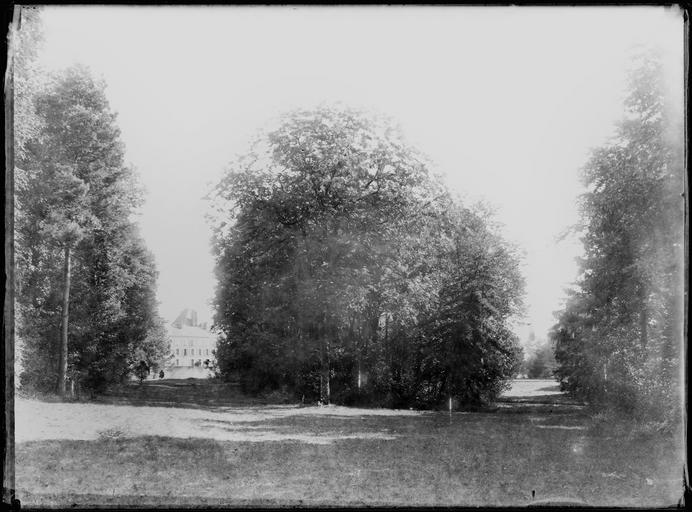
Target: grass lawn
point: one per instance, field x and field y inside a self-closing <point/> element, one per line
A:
<point x="360" y="457"/>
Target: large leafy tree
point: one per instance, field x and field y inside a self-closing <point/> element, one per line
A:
<point x="619" y="339"/>
<point x="84" y="279"/>
<point x="336" y="256"/>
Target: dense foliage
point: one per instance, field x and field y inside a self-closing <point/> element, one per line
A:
<point x="347" y="273"/>
<point x="26" y="39"/>
<point x="619" y="340"/>
<point x="85" y="283"/>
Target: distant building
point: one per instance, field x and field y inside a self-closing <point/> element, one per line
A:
<point x="193" y="348"/>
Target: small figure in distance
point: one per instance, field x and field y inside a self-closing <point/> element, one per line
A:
<point x="142" y="371"/>
<point x="161" y="374"/>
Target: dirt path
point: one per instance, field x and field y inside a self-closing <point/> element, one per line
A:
<point x="36" y="420"/>
<point x="534" y="389"/>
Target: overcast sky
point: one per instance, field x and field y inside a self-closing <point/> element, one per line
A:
<point x="507" y="102"/>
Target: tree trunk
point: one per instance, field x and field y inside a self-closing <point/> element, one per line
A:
<point x="359" y="375"/>
<point x="327" y="372"/>
<point x="386" y="340"/>
<point x="62" y="369"/>
<point x="643" y="318"/>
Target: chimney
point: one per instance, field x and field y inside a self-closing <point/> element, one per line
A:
<point x="186" y="317"/>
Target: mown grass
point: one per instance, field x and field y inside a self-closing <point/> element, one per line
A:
<point x="471" y="459"/>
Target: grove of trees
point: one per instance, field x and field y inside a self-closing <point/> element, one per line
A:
<point x="347" y="273"/>
<point x="85" y="300"/>
<point x="619" y="340"/>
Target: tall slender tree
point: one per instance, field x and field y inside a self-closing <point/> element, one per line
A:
<point x="65" y="225"/>
<point x="75" y="236"/>
<point x="619" y="339"/>
<point x="23" y="81"/>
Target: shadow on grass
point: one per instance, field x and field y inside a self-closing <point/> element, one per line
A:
<point x="546" y="398"/>
<point x="207" y="394"/>
<point x="217" y="396"/>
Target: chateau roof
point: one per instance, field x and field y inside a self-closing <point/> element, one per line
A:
<point x="189" y="331"/>
<point x="186" y="326"/>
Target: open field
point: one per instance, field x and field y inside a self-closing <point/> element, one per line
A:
<point x="225" y="454"/>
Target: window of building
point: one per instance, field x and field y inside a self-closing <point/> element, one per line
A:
<point x="177" y="362"/>
<point x="184" y="351"/>
<point x="177" y="351"/>
<point x="192" y="362"/>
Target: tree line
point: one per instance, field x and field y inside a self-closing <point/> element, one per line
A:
<point x="348" y="273"/>
<point x="86" y="310"/>
<point x="539" y="358"/>
<point x="619" y="340"/>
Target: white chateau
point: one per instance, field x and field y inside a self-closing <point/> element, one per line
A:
<point x="192" y="348"/>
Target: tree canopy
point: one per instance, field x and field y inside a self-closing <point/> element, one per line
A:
<point x="347" y="272"/>
<point x="26" y="39"/>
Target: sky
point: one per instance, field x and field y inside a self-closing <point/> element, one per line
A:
<point x="506" y="101"/>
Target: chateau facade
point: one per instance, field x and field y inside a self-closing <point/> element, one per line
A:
<point x="193" y="348"/>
